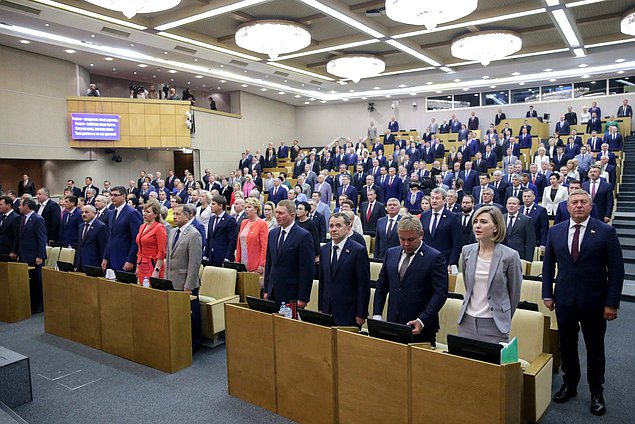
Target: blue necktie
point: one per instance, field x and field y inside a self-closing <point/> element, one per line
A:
<point x="176" y="238"/>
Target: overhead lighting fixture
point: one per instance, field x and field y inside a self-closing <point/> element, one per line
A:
<point x="262" y="89"/>
<point x="565" y="26"/>
<point x="297" y="96"/>
<point x="486" y="46"/>
<point x="515" y="74"/>
<point x="428" y="13"/>
<point x="272" y="37"/>
<point x="70" y="51"/>
<point x="582" y="65"/>
<point x="90" y="14"/>
<point x="465" y="89"/>
<point x="412" y="52"/>
<point x="142" y="65"/>
<point x="620" y="72"/>
<point x="579" y="52"/>
<point x="209" y="46"/>
<point x="172" y="71"/>
<point x="208" y="14"/>
<point x="356" y="67"/>
<point x="627" y="24"/>
<point x="300" y="71"/>
<point x="25" y="42"/>
<point x="620" y="60"/>
<point x="340" y="16"/>
<point x="109" y="59"/>
<point x="198" y="76"/>
<point x="244" y="85"/>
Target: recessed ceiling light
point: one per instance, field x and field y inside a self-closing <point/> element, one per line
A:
<point x="457" y="80"/>
<point x="91" y="35"/>
<point x="376" y="88"/>
<point x="388" y="96"/>
<point x="280" y="92"/>
<point x="92" y="64"/>
<point x="302" y="85"/>
<point x="222" y="66"/>
<point x="297" y="96"/>
<point x="134" y="73"/>
<point x="172" y="71"/>
<point x="244" y="85"/>
<point x="592" y="82"/>
<point x="114" y="69"/>
<point x="344" y="99"/>
<point x="364" y="98"/>
<point x="318" y="89"/>
<point x="465" y="89"/>
<point x="154" y="76"/>
<point x="25" y="42"/>
<point x="485" y="77"/>
<point x="515" y="74"/>
<point x="439" y="91"/>
<point x="548" y="70"/>
<point x="322" y="101"/>
<point x="492" y="86"/>
<point x="413" y="94"/>
<point x="351" y="91"/>
<point x="142" y="65"/>
<point x="429" y="83"/>
<point x="199" y="76"/>
<point x="582" y="65"/>
<point x="131" y="45"/>
<point x="263" y="89"/>
<point x="47" y="25"/>
<point x="585" y="76"/>
<point x="245" y="71"/>
<point x="285" y="80"/>
<point x="69" y="51"/>
<point x="188" y="82"/>
<point x="521" y="83"/>
<point x="620" y="72"/>
<point x="171" y="79"/>
<point x="223" y="81"/>
<point x="108" y="59"/>
<point x="620" y="60"/>
<point x="204" y="85"/>
<point x="402" y="85"/>
<point x="312" y="99"/>
<point x="218" y="88"/>
<point x="552" y="80"/>
<point x="333" y="92"/>
<point x="266" y="76"/>
<point x="307" y="103"/>
<point x="165" y="52"/>
<point x="196" y="60"/>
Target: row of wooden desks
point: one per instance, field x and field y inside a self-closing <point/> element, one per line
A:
<point x="15" y="296"/>
<point x="313" y="374"/>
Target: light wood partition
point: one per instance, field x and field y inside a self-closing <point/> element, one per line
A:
<point x="116" y="318"/>
<point x="251" y="364"/>
<point x="15" y="296"/>
<point x="57" y="311"/>
<point x="373" y="380"/>
<point x="247" y="284"/>
<point x="538" y="128"/>
<point x="452" y="389"/>
<point x="84" y="309"/>
<point x="161" y="328"/>
<point x="143" y="123"/>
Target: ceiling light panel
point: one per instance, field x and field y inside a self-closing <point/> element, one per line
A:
<point x="341" y="16"/>
<point x="208" y="14"/>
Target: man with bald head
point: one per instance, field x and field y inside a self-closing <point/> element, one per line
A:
<point x="92" y="239"/>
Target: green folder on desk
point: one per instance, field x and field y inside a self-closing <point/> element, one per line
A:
<point x="509" y="352"/>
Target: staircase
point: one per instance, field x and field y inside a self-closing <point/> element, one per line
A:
<point x="624" y="219"/>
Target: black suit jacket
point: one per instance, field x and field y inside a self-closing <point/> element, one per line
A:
<point x="379" y="211"/>
<point x="29" y="188"/>
<point x="93" y="187"/>
<point x="522" y="237"/>
<point x="10" y="234"/>
<point x="52" y="215"/>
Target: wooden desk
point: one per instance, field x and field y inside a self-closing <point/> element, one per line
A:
<point x="57" y="311"/>
<point x="247" y="284"/>
<point x="15" y="295"/>
<point x="116" y="318"/>
<point x="452" y="389"/>
<point x="249" y="340"/>
<point x="84" y="309"/>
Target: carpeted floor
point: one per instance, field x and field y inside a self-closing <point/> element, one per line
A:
<point x="73" y="383"/>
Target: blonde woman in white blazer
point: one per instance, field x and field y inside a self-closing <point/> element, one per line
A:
<point x="554" y="194"/>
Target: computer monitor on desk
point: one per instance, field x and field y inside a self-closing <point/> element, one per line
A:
<point x="262" y="305"/>
<point x="390" y="331"/>
<point x="474" y="349"/>
<point x="65" y="266"/>
<point x="161" y="284"/>
<point x="317" y="318"/>
<point x="239" y="267"/>
<point x="7" y="258"/>
<point x="126" y="277"/>
<point x="93" y="271"/>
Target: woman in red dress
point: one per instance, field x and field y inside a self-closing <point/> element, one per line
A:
<point x="152" y="243"/>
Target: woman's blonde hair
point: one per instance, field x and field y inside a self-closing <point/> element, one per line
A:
<point x="497" y="218"/>
<point x="154" y="206"/>
<point x="255" y="203"/>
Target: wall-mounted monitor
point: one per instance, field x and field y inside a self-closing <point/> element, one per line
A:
<point x="91" y="126"/>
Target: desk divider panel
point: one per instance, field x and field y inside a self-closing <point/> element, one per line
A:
<point x="57" y="313"/>
<point x="247" y="284"/>
<point x="15" y="296"/>
<point x="84" y="310"/>
<point x="116" y="318"/>
<point x="251" y="363"/>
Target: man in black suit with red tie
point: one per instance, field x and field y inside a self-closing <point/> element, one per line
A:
<point x="26" y="186"/>
<point x="371" y="211"/>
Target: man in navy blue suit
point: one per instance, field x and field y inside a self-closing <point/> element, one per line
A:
<point x="71" y="220"/>
<point x="392" y="187"/>
<point x="601" y="193"/>
<point x="442" y="228"/>
<point x="278" y="192"/>
<point x="32" y="249"/>
<point x="562" y="213"/>
<point x="469" y="177"/>
<point x="290" y="259"/>
<point x="344" y="289"/>
<point x="347" y="189"/>
<point x="222" y="233"/>
<point x="9" y="228"/>
<point x="415" y="276"/>
<point x="92" y="240"/>
<point x="386" y="235"/>
<point x="587" y="293"/>
<point x="51" y="212"/>
<point x="538" y="216"/>
<point x="123" y="226"/>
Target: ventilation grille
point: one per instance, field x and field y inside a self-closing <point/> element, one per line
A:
<point x="20" y="7"/>
<point x="281" y="74"/>
<point x="238" y="63"/>
<point x="316" y="82"/>
<point x="115" y="32"/>
<point x="185" y="49"/>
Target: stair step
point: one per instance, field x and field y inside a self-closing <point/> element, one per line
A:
<point x="627" y="243"/>
<point x="625" y="232"/>
<point x="629" y="256"/>
<point x="624" y="223"/>
<point x="629" y="287"/>
<point x="624" y="215"/>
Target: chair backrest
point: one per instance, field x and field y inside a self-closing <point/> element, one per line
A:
<point x="315" y="292"/>
<point x="531" y="291"/>
<point x="536" y="268"/>
<point x="525" y="266"/>
<point x="375" y="269"/>
<point x="371" y="305"/>
<point x="67" y="255"/>
<point x="218" y="282"/>
<point x="53" y="256"/>
<point x="448" y="317"/>
<point x="528" y="327"/>
<point x="460" y="284"/>
<point x="367" y="240"/>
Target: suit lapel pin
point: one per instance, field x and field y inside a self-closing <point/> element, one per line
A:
<point x="592" y="231"/>
<point x="420" y="253"/>
<point x="348" y="251"/>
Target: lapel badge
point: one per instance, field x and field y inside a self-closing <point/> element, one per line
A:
<point x="592" y="231"/>
<point x="348" y="251"/>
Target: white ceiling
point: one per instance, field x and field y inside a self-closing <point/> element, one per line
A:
<point x="45" y="23"/>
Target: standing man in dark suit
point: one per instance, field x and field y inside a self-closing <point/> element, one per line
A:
<point x="26" y="186"/>
<point x="278" y="192"/>
<point x="472" y="122"/>
<point x="93" y="238"/>
<point x="469" y="177"/>
<point x="531" y="113"/>
<point x="123" y="227"/>
<point x="415" y="276"/>
<point x="344" y="289"/>
<point x="89" y="184"/>
<point x="75" y="191"/>
<point x="9" y="228"/>
<point x="441" y="228"/>
<point x="571" y="116"/>
<point x="538" y="215"/>
<point x="386" y="233"/>
<point x="625" y="110"/>
<point x="500" y="116"/>
<point x="71" y="220"/>
<point x="222" y="233"/>
<point x="465" y="216"/>
<point x="347" y="189"/>
<point x="521" y="234"/>
<point x="102" y="212"/>
<point x="290" y="259"/>
<point x="32" y="249"/>
<point x="594" y="124"/>
<point x="601" y="193"/>
<point x="52" y="214"/>
<point x="587" y="293"/>
<point x="371" y="211"/>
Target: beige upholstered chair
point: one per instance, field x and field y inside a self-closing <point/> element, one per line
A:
<point x="531" y="291"/>
<point x="535" y="269"/>
<point x="315" y="290"/>
<point x="367" y="240"/>
<point x="52" y="256"/>
<point x="66" y="255"/>
<point x="218" y="286"/>
<point x="375" y="269"/>
<point x="371" y="305"/>
<point x="531" y="328"/>
<point x="459" y="287"/>
<point x="448" y="317"/>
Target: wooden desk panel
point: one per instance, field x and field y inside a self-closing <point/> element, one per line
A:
<point x="84" y="310"/>
<point x="116" y="318"/>
<point x="251" y="367"/>
<point x="247" y="284"/>
<point x="15" y="295"/>
<point x="57" y="313"/>
<point x="373" y="380"/>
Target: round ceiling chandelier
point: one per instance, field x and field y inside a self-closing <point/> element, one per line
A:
<point x="272" y="37"/>
<point x="131" y="7"/>
<point x="627" y="24"/>
<point x="356" y="66"/>
<point x="428" y="13"/>
<point x="486" y="46"/>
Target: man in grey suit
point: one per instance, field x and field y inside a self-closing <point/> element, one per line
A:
<point x="324" y="188"/>
<point x="183" y="258"/>
<point x="521" y="234"/>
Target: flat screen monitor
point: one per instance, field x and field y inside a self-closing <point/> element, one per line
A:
<point x="7" y="258"/>
<point x="56" y="244"/>
<point x="475" y="349"/>
<point x="452" y="295"/>
<point x="239" y="267"/>
<point x="377" y="260"/>
<point x="160" y="284"/>
<point x="529" y="306"/>
<point x="262" y="305"/>
<point x="390" y="331"/>
<point x="65" y="266"/>
<point x="317" y="318"/>
<point x="93" y="271"/>
<point x="126" y="277"/>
